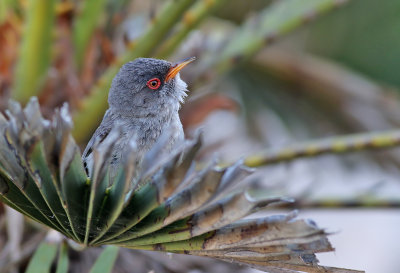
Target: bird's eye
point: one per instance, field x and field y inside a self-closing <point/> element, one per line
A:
<point x="154" y="83"/>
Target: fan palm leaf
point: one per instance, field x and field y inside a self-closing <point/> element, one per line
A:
<point x="163" y="204"/>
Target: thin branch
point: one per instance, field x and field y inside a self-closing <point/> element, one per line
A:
<point x="332" y="203"/>
<point x="334" y="145"/>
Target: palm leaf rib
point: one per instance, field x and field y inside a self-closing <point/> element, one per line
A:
<point x="163" y="204"/>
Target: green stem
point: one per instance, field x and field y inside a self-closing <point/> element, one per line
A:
<point x="63" y="261"/>
<point x="85" y="24"/>
<point x="192" y="18"/>
<point x="7" y="6"/>
<point x="334" y="145"/>
<point x="35" y="52"/>
<point x="43" y="258"/>
<point x="93" y="106"/>
<point x="105" y="262"/>
<point x="276" y="20"/>
<point x="3" y="10"/>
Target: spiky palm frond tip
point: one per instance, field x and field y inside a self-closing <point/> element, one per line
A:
<point x="164" y="204"/>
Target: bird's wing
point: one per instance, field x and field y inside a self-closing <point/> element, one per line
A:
<point x="99" y="135"/>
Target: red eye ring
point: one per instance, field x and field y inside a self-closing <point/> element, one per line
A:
<point x="154" y="83"/>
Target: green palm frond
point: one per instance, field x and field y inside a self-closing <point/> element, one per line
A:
<point x="163" y="204"/>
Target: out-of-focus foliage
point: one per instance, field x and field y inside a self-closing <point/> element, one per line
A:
<point x="86" y="54"/>
<point x="362" y="36"/>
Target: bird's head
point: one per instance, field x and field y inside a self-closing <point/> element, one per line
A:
<point x="146" y="86"/>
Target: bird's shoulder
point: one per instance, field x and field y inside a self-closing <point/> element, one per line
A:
<point x="100" y="134"/>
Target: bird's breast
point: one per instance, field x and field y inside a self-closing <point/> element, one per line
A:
<point x="146" y="131"/>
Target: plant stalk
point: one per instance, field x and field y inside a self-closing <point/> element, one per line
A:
<point x="35" y="52"/>
<point x="85" y="24"/>
<point x="272" y="22"/>
<point x="334" y="145"/>
<point x="191" y="19"/>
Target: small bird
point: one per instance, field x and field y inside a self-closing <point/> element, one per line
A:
<point x="144" y="100"/>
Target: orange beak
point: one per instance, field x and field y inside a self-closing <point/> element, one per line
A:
<point x="178" y="67"/>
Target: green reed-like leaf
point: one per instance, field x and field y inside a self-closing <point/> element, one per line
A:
<point x="43" y="258"/>
<point x="95" y="104"/>
<point x="105" y="262"/>
<point x="272" y="22"/>
<point x="5" y="7"/>
<point x="63" y="261"/>
<point x="85" y="23"/>
<point x="3" y="11"/>
<point x="35" y="51"/>
<point x="191" y="19"/>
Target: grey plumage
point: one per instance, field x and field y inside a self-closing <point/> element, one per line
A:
<point x="141" y="112"/>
